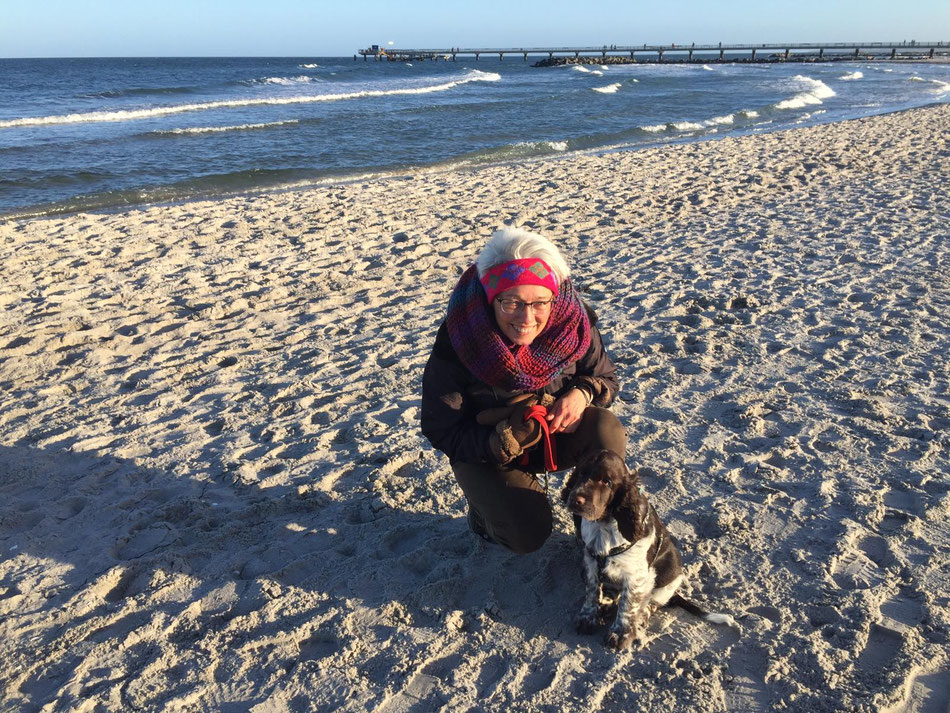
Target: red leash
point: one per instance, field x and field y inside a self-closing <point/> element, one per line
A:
<point x="539" y="414"/>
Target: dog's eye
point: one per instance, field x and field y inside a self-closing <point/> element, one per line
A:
<point x="608" y="482"/>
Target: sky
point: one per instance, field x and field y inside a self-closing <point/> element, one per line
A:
<point x="303" y="28"/>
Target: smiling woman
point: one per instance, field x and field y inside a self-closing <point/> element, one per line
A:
<point x="518" y="383"/>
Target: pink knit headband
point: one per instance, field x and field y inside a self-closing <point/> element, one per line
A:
<point x="525" y="271"/>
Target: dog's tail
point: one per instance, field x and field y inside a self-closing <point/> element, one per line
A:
<point x="712" y="617"/>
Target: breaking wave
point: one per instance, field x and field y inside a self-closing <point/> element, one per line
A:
<point x="217" y="129"/>
<point x="609" y="89"/>
<point x="133" y="114"/>
<point x="815" y="92"/>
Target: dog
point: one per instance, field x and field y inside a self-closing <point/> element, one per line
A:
<point x="626" y="548"/>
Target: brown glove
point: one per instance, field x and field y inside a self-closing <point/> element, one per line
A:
<point x="514" y="436"/>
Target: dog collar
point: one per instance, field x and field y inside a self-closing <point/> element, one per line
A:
<point x="620" y="549"/>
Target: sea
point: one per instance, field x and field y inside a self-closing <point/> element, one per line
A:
<point x="95" y="134"/>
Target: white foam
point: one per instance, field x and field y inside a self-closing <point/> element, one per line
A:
<point x="597" y="73"/>
<point x="942" y="87"/>
<point x="851" y="75"/>
<point x="557" y="145"/>
<point x="309" y="66"/>
<point x="609" y="89"/>
<point x="216" y="129"/>
<point x="687" y="126"/>
<point x="654" y="128"/>
<point x="915" y="78"/>
<point x="720" y="120"/>
<point x="133" y="114"/>
<point x="580" y="68"/>
<point x="603" y="67"/>
<point x="708" y="68"/>
<point x="302" y="79"/>
<point x="816" y="90"/>
<point x="749" y="113"/>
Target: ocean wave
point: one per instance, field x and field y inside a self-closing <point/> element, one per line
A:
<point x="915" y="78"/>
<point x="750" y="113"/>
<point x="851" y="75"/>
<point x="139" y="91"/>
<point x="942" y="87"/>
<point x="133" y="114"/>
<point x="720" y="120"/>
<point x="288" y="81"/>
<point x="580" y="68"/>
<point x="708" y="68"/>
<point x="654" y="128"/>
<point x="309" y="66"/>
<point x="686" y="126"/>
<point x="816" y="90"/>
<point x="609" y="89"/>
<point x="217" y="129"/>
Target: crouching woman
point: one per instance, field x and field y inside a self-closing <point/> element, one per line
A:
<point x="517" y="335"/>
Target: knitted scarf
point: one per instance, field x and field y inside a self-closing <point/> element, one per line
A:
<point x="491" y="358"/>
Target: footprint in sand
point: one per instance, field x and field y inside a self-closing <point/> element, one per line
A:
<point x="855" y="570"/>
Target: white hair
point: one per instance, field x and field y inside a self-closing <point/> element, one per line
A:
<point x="512" y="243"/>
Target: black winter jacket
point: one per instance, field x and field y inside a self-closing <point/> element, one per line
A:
<point x="452" y="396"/>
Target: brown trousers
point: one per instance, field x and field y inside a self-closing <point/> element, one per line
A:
<point x="510" y="501"/>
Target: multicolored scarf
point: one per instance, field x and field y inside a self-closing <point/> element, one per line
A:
<point x="492" y="359"/>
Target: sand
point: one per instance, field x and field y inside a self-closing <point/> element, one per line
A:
<point x="214" y="494"/>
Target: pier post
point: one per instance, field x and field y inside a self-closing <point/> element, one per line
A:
<point x="931" y="53"/>
<point x="550" y="55"/>
<point x="453" y="56"/>
<point x="501" y="56"/>
<point x="856" y="52"/>
<point x="753" y="55"/>
<point x="631" y="54"/>
<point x="721" y="54"/>
<point x="476" y="56"/>
<point x="525" y="56"/>
<point x="691" y="55"/>
<point x="786" y="54"/>
<point x="821" y="53"/>
<point x="893" y="52"/>
<point x="659" y="56"/>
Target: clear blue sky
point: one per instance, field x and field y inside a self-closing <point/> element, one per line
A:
<point x="109" y="28"/>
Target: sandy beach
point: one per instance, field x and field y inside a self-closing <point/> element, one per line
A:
<point x="214" y="495"/>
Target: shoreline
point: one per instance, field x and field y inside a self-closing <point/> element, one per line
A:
<point x="215" y="489"/>
<point x="45" y="210"/>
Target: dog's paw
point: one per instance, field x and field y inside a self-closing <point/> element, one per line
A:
<point x="618" y="640"/>
<point x="585" y="624"/>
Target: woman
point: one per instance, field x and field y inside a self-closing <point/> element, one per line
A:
<point x="516" y="334"/>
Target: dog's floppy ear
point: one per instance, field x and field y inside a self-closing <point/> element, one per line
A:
<point x="569" y="485"/>
<point x="629" y="508"/>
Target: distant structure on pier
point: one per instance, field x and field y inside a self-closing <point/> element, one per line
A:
<point x="674" y="53"/>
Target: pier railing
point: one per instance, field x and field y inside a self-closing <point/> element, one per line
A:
<point x="755" y="52"/>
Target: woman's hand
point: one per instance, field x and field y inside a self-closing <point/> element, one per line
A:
<point x="564" y="415"/>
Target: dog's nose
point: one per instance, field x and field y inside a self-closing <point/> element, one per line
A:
<point x="580" y="500"/>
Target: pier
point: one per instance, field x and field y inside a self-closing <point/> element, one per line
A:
<point x="676" y="53"/>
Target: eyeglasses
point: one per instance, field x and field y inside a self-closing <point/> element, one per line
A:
<point x="514" y="306"/>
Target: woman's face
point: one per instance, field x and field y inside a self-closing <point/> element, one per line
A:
<point x="525" y="323"/>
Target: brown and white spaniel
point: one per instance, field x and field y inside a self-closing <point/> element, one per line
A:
<point x="627" y="550"/>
